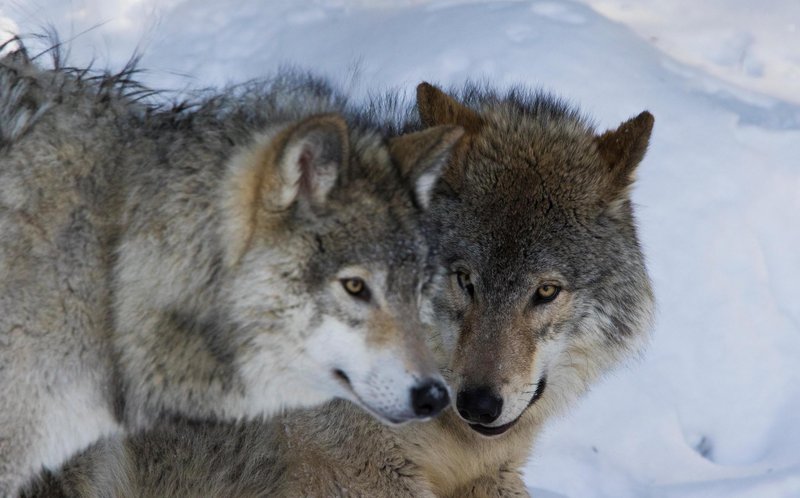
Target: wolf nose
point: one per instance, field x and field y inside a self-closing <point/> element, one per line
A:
<point x="479" y="405"/>
<point x="429" y="398"/>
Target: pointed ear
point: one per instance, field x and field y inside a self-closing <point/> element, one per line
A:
<point x="422" y="156"/>
<point x="622" y="150"/>
<point x="299" y="164"/>
<point x="437" y="108"/>
<point x="309" y="156"/>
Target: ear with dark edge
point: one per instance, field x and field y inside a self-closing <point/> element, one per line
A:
<point x="422" y="156"/>
<point x="309" y="159"/>
<point x="437" y="108"/>
<point x="622" y="150"/>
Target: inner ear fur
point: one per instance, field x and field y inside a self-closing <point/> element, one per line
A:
<point x="622" y="150"/>
<point x="309" y="156"/>
<point x="300" y="163"/>
<point x="422" y="156"/>
<point x="437" y="108"/>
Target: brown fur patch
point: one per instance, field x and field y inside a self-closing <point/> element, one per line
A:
<point x="437" y="108"/>
<point x="412" y="148"/>
<point x="623" y="149"/>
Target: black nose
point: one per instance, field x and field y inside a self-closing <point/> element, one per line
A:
<point x="479" y="405"/>
<point x="429" y="398"/>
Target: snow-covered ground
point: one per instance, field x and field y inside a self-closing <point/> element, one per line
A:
<point x="714" y="407"/>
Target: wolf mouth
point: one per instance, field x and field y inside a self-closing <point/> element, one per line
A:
<point x="343" y="378"/>
<point x="500" y="429"/>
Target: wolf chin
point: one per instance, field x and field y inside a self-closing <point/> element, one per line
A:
<point x="543" y="289"/>
<point x="256" y="250"/>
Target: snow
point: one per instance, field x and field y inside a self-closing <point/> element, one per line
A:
<point x="713" y="408"/>
<point x="753" y="45"/>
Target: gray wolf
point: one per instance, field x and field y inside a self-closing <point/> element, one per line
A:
<point x="544" y="290"/>
<point x="255" y="250"/>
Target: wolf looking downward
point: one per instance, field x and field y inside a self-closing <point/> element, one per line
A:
<point x="257" y="251"/>
<point x="545" y="290"/>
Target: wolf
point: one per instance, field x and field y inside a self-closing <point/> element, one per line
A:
<point x="544" y="289"/>
<point x="254" y="250"/>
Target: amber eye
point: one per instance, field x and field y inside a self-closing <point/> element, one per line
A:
<point x="356" y="288"/>
<point x="546" y="293"/>
<point x="465" y="282"/>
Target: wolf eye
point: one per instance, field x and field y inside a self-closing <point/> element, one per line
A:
<point x="465" y="282"/>
<point x="356" y="288"/>
<point x="546" y="293"/>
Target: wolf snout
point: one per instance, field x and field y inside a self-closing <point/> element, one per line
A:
<point x="429" y="398"/>
<point x="479" y="405"/>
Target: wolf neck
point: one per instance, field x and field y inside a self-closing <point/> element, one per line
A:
<point x="450" y="455"/>
<point x="170" y="319"/>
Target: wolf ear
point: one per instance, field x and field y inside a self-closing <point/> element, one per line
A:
<point x="437" y="108"/>
<point x="622" y="150"/>
<point x="300" y="163"/>
<point x="422" y="156"/>
<point x="309" y="156"/>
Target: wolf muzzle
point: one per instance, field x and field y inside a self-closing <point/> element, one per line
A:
<point x="480" y="406"/>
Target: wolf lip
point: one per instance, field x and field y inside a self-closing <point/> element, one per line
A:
<point x="500" y="429"/>
<point x="342" y="377"/>
<point x="492" y="431"/>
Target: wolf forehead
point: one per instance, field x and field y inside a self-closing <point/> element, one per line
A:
<point x="384" y="239"/>
<point x="539" y="152"/>
<point x="530" y="188"/>
<point x="371" y="218"/>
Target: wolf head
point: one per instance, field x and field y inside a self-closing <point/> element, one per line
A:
<point x="330" y="266"/>
<point x="547" y="285"/>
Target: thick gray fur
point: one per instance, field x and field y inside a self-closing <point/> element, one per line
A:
<point x="532" y="195"/>
<point x="120" y="301"/>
